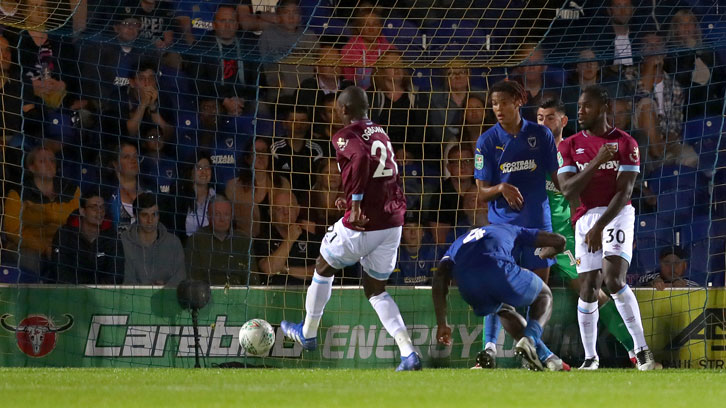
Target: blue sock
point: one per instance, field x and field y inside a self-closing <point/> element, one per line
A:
<point x="542" y="351"/>
<point x="492" y="325"/>
<point x="533" y="330"/>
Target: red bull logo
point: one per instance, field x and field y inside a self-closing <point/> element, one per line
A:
<point x="36" y="334"/>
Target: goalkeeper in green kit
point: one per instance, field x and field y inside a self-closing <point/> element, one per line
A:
<point x="551" y="113"/>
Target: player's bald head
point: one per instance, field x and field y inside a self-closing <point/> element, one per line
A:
<point x="354" y="101"/>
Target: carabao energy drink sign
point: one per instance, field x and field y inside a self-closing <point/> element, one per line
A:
<point x="142" y="326"/>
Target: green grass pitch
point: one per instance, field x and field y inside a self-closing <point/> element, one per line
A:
<point x="363" y="388"/>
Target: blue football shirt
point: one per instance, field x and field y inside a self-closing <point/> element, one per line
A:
<point x="522" y="160"/>
<point x="496" y="241"/>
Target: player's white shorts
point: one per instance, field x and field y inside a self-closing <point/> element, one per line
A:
<point x="376" y="250"/>
<point x="617" y="238"/>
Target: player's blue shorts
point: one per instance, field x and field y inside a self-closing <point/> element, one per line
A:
<point x="526" y="258"/>
<point x="487" y="283"/>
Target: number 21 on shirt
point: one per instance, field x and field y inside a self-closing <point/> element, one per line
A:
<point x="382" y="151"/>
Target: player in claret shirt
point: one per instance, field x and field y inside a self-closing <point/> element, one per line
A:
<point x="370" y="230"/>
<point x="599" y="166"/>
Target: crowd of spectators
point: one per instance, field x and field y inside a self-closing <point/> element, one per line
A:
<point x="158" y="147"/>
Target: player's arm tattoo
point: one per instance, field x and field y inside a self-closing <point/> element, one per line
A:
<point x="623" y="190"/>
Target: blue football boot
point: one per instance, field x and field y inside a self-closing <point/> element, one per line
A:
<point x="410" y="363"/>
<point x="294" y="332"/>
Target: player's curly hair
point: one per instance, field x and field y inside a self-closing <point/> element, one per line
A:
<point x="597" y="92"/>
<point x="513" y="88"/>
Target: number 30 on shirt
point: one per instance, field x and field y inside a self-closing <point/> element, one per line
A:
<point x="382" y="151"/>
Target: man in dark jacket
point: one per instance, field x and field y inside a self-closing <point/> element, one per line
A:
<point x="87" y="250"/>
<point x="216" y="254"/>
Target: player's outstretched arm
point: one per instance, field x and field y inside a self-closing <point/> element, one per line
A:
<point x="623" y="190"/>
<point x="439" y="291"/>
<point x="551" y="244"/>
<point x="572" y="184"/>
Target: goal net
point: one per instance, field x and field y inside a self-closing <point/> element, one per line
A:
<point x="150" y="142"/>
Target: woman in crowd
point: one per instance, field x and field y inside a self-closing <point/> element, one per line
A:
<point x="693" y="67"/>
<point x="365" y="48"/>
<point x="197" y="191"/>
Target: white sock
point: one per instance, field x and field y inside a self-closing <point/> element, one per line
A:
<point x="627" y="305"/>
<point x="587" y="315"/>
<point x="315" y="301"/>
<point x="491" y="346"/>
<point x="390" y="316"/>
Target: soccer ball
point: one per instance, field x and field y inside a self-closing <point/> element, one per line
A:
<point x="256" y="337"/>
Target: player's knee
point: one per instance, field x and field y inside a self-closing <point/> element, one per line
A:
<point x="372" y="287"/>
<point x="589" y="293"/>
<point x="614" y="283"/>
<point x="323" y="268"/>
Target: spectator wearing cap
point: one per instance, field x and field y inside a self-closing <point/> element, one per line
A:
<point x="216" y="254"/>
<point x="108" y="67"/>
<point x="279" y="40"/>
<point x="87" y="249"/>
<point x="416" y="256"/>
<point x="670" y="274"/>
<point x="156" y="17"/>
<point x="153" y="256"/>
<point x="34" y="213"/>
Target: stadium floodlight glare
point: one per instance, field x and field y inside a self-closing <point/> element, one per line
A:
<point x="194" y="295"/>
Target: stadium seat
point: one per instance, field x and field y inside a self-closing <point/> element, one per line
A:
<point x="327" y="26"/>
<point x="186" y="136"/>
<point x="310" y="8"/>
<point x="695" y="231"/>
<point x="9" y="274"/>
<point x="422" y="79"/>
<point x="456" y="38"/>
<point x="649" y="241"/>
<point x="404" y="35"/>
<point x="704" y="135"/>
